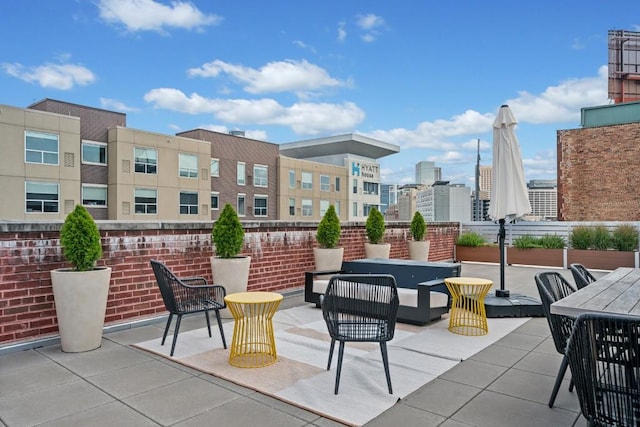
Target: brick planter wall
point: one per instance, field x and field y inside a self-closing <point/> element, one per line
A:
<point x="280" y="254"/>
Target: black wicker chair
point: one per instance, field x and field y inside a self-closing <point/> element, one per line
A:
<point x="604" y="355"/>
<point x="581" y="275"/>
<point x="552" y="287"/>
<point x="360" y="307"/>
<point x="185" y="296"/>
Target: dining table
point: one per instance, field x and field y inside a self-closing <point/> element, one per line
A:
<point x="617" y="292"/>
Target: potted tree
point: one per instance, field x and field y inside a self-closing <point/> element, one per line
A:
<point x="80" y="293"/>
<point x="227" y="267"/>
<point x="328" y="256"/>
<point x="374" y="227"/>
<point x="418" y="248"/>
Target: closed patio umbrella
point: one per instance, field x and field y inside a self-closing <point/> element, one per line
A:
<point x="509" y="195"/>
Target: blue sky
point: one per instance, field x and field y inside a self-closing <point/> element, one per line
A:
<point x="428" y="76"/>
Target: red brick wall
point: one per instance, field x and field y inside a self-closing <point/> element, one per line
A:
<point x="599" y="173"/>
<point x="280" y="254"/>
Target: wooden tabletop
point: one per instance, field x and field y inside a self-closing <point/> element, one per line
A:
<point x="618" y="293"/>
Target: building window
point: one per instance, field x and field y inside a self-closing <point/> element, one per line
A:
<point x="215" y="167"/>
<point x="260" y="176"/>
<point x="94" y="153"/>
<point x="94" y="195"/>
<point x="146" y="201"/>
<point x="292" y="179"/>
<point x="337" y="207"/>
<point x="188" y="203"/>
<point x="292" y="207"/>
<point x="355" y="209"/>
<point x="260" y="206"/>
<point x="146" y="161"/>
<point x="370" y="188"/>
<point x="241" y="205"/>
<point x="324" y="205"/>
<point x="355" y="186"/>
<point x="240" y="173"/>
<point x="307" y="180"/>
<point x="337" y="183"/>
<point x="42" y="197"/>
<point x="215" y="201"/>
<point x="188" y="165"/>
<point x="366" y="208"/>
<point x="41" y="148"/>
<point x="307" y="207"/>
<point x="325" y="183"/>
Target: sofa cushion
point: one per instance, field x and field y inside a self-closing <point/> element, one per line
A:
<point x="409" y="298"/>
<point x="320" y="285"/>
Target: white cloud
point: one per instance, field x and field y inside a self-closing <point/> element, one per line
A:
<point x="277" y="76"/>
<point x="55" y="76"/>
<point x="115" y="105"/>
<point x="342" y="33"/>
<point x="302" y="118"/>
<point x="149" y="15"/>
<point x="371" y="25"/>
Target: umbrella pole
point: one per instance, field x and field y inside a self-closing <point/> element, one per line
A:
<point x="501" y="236"/>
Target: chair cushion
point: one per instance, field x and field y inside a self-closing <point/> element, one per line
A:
<point x="409" y="298"/>
<point x="320" y="285"/>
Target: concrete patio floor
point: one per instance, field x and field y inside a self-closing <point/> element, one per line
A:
<point x="506" y="384"/>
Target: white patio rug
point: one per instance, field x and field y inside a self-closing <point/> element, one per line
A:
<point x="417" y="355"/>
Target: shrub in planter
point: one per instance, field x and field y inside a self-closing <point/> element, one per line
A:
<point x="552" y="241"/>
<point x="624" y="238"/>
<point x="418" y="227"/>
<point x="328" y="232"/>
<point x="471" y="238"/>
<point x="526" y="242"/>
<point x="80" y="239"/>
<point x="375" y="226"/>
<point x="601" y="238"/>
<point x="581" y="237"/>
<point x="227" y="234"/>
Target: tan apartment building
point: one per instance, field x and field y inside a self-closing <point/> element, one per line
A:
<point x="306" y="189"/>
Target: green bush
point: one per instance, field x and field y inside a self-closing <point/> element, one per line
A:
<point x="526" y="242"/>
<point x="328" y="232"/>
<point x="418" y="227"/>
<point x="581" y="237"/>
<point x="552" y="241"/>
<point x="375" y="226"/>
<point x="80" y="239"/>
<point x="227" y="234"/>
<point x="624" y="238"/>
<point x="601" y="238"/>
<point x="471" y="238"/>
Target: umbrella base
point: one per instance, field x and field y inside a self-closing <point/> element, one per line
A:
<point x="514" y="305"/>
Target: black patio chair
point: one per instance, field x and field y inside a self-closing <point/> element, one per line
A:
<point x="552" y="287"/>
<point x="360" y="307"/>
<point x="188" y="295"/>
<point x="581" y="275"/>
<point x="604" y="355"/>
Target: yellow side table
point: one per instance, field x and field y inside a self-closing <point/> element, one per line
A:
<point x="468" y="316"/>
<point x="253" y="344"/>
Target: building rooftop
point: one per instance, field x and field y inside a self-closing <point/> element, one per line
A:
<point x="350" y="143"/>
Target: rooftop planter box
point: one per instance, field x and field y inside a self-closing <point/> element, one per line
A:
<point x="535" y="256"/>
<point x="601" y="259"/>
<point x="477" y="253"/>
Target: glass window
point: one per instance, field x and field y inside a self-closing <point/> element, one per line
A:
<point x="146" y="201"/>
<point x="215" y="167"/>
<point x="241" y="174"/>
<point x="146" y="161"/>
<point x="94" y="195"/>
<point x="337" y="183"/>
<point x="188" y="165"/>
<point x="41" y="148"/>
<point x="307" y="180"/>
<point x="324" y="205"/>
<point x="355" y="186"/>
<point x="42" y="197"/>
<point x="307" y="207"/>
<point x="292" y="179"/>
<point x="337" y="206"/>
<point x="241" y="205"/>
<point x="370" y="188"/>
<point x="260" y="206"/>
<point x="355" y="209"/>
<point x="325" y="183"/>
<point x="215" y="200"/>
<point x="292" y="207"/>
<point x="260" y="176"/>
<point x="94" y="153"/>
<point x="188" y="203"/>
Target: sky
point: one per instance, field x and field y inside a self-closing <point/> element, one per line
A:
<point x="428" y="76"/>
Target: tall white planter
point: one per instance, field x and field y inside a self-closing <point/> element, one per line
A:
<point x="418" y="250"/>
<point x="328" y="259"/>
<point x="81" y="303"/>
<point x="377" y="250"/>
<point x="232" y="273"/>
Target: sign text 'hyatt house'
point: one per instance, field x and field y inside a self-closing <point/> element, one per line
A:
<point x="365" y="170"/>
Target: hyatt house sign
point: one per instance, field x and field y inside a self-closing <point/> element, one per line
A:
<point x="365" y="170"/>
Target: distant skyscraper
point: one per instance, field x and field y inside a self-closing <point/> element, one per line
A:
<point x="427" y="173"/>
<point x="485" y="181"/>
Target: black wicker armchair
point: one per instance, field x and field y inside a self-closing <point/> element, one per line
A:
<point x="360" y="307"/>
<point x="604" y="355"/>
<point x="581" y="275"/>
<point x="185" y="296"/>
<point x="552" y="287"/>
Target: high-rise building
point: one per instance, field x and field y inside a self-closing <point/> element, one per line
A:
<point x="543" y="197"/>
<point x="427" y="173"/>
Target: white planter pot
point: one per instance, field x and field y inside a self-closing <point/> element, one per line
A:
<point x="81" y="302"/>
<point x="418" y="250"/>
<point x="328" y="259"/>
<point x="378" y="250"/>
<point x="232" y="273"/>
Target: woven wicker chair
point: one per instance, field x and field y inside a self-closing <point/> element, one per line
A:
<point x="186" y="296"/>
<point x="604" y="355"/>
<point x="360" y="307"/>
<point x="581" y="275"/>
<point x="552" y="287"/>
